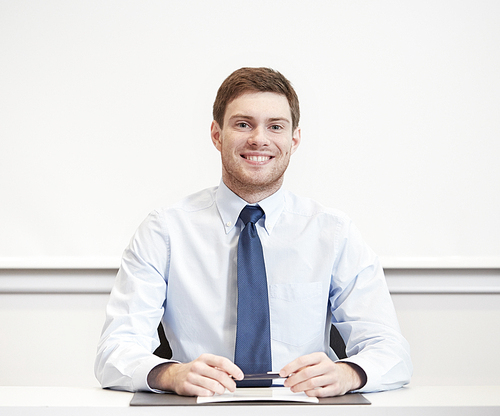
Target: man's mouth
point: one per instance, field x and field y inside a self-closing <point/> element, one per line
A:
<point x="256" y="158"/>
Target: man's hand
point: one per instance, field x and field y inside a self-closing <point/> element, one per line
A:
<point x="207" y="375"/>
<point x="318" y="376"/>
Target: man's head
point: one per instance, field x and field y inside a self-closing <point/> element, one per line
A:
<point x="245" y="80"/>
<point x="256" y="114"/>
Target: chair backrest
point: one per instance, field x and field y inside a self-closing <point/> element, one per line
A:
<point x="164" y="350"/>
<point x="336" y="343"/>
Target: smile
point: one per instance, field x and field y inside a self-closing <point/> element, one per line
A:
<point x="257" y="158"/>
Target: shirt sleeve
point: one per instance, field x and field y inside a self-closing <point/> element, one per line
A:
<point x="135" y="307"/>
<point x="363" y="312"/>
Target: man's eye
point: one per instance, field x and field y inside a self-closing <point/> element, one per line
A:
<point x="276" y="127"/>
<point x="242" y="125"/>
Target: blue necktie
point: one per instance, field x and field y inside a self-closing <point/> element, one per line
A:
<point x="253" y="340"/>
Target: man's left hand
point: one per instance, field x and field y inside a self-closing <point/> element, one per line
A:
<point x="319" y="376"/>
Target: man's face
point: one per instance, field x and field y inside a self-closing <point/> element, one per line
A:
<point x="256" y="142"/>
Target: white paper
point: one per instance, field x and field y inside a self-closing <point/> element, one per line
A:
<point x="259" y="394"/>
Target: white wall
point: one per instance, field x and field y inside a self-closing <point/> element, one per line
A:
<point x="49" y="337"/>
<point x="106" y="109"/>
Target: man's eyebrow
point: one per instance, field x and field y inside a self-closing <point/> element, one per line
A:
<point x="247" y="117"/>
<point x="239" y="115"/>
<point x="282" y="119"/>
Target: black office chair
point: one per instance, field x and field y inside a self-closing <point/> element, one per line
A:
<point x="163" y="351"/>
<point x="336" y="343"/>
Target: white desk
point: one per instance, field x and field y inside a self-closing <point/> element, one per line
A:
<point x="409" y="401"/>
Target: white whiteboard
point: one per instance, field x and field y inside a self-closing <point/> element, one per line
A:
<point x="105" y="110"/>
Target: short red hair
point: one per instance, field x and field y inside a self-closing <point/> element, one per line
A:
<point x="255" y="80"/>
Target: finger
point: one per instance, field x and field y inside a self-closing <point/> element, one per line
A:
<point x="219" y="369"/>
<point x="199" y="378"/>
<point x="326" y="391"/>
<point x="188" y="380"/>
<point x="221" y="377"/>
<point x="311" y="384"/>
<point x="321" y="380"/>
<point x="194" y="390"/>
<point x="223" y="364"/>
<point x="305" y="374"/>
<point x="301" y="362"/>
<point x="305" y="367"/>
<point x="328" y="388"/>
<point x="204" y="384"/>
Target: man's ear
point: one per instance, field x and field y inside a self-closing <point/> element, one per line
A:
<point x="295" y="140"/>
<point x="216" y="134"/>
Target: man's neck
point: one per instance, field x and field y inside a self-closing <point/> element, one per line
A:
<point x="252" y="193"/>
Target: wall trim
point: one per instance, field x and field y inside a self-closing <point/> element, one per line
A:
<point x="100" y="281"/>
<point x="112" y="263"/>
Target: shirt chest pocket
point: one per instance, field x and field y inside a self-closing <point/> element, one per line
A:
<point x="298" y="312"/>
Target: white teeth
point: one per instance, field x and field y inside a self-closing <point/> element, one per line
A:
<point x="258" y="158"/>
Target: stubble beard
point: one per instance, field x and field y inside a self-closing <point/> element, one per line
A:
<point x="253" y="188"/>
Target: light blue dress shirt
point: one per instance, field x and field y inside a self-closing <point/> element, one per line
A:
<point x="180" y="268"/>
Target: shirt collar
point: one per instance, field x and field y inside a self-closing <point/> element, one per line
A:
<point x="230" y="205"/>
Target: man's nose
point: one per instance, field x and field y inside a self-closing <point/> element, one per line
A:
<point x="258" y="137"/>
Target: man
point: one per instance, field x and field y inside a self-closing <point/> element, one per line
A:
<point x="182" y="268"/>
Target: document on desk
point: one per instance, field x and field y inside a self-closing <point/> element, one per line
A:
<point x="142" y="398"/>
<point x="268" y="394"/>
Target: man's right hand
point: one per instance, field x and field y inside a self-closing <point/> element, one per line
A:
<point x="207" y="375"/>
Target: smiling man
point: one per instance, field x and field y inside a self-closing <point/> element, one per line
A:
<point x="256" y="139"/>
<point x="248" y="277"/>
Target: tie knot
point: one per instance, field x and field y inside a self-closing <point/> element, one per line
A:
<point x="251" y="213"/>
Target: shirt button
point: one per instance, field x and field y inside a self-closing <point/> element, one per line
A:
<point x="228" y="224"/>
